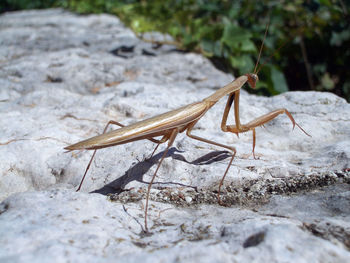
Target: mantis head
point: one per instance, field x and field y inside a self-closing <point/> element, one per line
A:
<point x="252" y="79"/>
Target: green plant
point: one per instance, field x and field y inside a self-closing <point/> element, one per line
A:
<point x="317" y="33"/>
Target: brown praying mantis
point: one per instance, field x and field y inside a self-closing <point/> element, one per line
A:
<point x="170" y="124"/>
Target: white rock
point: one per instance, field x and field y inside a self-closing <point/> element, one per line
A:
<point x="63" y="76"/>
<point x="62" y="225"/>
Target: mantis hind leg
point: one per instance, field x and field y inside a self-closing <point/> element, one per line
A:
<point x="233" y="149"/>
<point x="162" y="140"/>
<point x="171" y="137"/>
<point x="104" y="131"/>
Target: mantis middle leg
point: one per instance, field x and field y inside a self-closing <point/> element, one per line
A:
<point x="233" y="149"/>
<point x="171" y="136"/>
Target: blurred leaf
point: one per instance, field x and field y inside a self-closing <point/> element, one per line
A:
<point x="325" y="2"/>
<point x="208" y="47"/>
<point x="319" y="69"/>
<point x="248" y="46"/>
<point x="338" y="38"/>
<point x="326" y="82"/>
<point x="217" y="49"/>
<point x="278" y="80"/>
<point x="236" y="37"/>
<point x="243" y="63"/>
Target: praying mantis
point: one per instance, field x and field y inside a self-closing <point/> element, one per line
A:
<point x="170" y="124"/>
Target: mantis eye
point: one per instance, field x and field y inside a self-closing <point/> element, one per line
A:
<point x="252" y="79"/>
<point x="255" y="77"/>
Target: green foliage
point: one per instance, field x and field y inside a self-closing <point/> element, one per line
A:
<point x="316" y="33"/>
<point x="9" y="5"/>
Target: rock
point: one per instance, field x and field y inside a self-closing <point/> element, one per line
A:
<point x="67" y="226"/>
<point x="64" y="76"/>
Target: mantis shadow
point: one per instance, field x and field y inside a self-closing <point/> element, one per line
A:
<point x="136" y="172"/>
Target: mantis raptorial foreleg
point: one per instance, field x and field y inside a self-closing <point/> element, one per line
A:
<point x="171" y="137"/>
<point x="250" y="126"/>
<point x="270" y="116"/>
<point x="233" y="149"/>
<point x="162" y="140"/>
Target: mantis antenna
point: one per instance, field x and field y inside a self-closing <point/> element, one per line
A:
<point x="274" y="53"/>
<point x="262" y="45"/>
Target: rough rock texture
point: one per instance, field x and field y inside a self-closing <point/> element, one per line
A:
<point x="63" y="76"/>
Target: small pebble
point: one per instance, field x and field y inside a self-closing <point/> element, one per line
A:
<point x="188" y="199"/>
